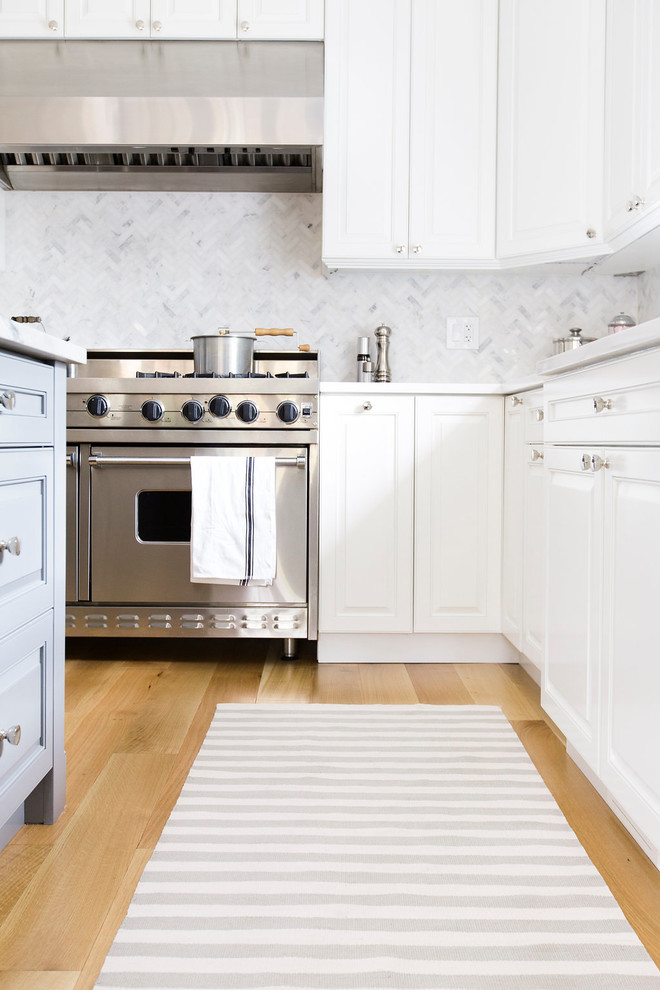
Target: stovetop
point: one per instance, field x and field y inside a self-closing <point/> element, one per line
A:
<point x="160" y="390"/>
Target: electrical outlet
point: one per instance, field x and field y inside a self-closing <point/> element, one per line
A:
<point x="463" y="332"/>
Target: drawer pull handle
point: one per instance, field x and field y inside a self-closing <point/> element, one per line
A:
<point x="538" y="415"/>
<point x="12" y="735"/>
<point x="8" y="399"/>
<point x="537" y="455"/>
<point x="516" y="401"/>
<point x="12" y="545"/>
<point x="600" y="403"/>
<point x="367" y="406"/>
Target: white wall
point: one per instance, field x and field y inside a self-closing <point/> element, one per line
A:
<point x="149" y="269"/>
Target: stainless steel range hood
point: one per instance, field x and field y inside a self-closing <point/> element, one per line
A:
<point x="177" y="115"/>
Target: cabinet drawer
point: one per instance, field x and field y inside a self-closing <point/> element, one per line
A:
<point x="25" y="701"/>
<point x="26" y="525"/>
<point x="618" y="402"/>
<point x="26" y="406"/>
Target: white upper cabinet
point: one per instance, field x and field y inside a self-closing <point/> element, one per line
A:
<point x="31" y="18"/>
<point x="453" y="109"/>
<point x="210" y="19"/>
<point x="107" y="18"/>
<point x="367" y="120"/>
<point x="295" y="20"/>
<point x="550" y="129"/>
<point x="163" y="19"/>
<point x="409" y="169"/>
<point x="632" y="136"/>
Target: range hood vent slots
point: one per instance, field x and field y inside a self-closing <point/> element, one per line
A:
<point x="201" y="116"/>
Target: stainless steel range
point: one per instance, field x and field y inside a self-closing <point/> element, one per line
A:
<point x="133" y="423"/>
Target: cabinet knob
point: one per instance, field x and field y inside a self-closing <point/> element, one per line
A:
<point x="7" y="400"/>
<point x="53" y="26"/>
<point x="367" y="406"/>
<point x="12" y="545"/>
<point x="537" y="455"/>
<point x="539" y="415"/>
<point x="12" y="735"/>
<point x="600" y="403"/>
<point x="157" y="25"/>
<point x="516" y="401"/>
<point x="585" y="462"/>
<point x="635" y="203"/>
<point x="139" y="25"/>
<point x="400" y="248"/>
<point x="245" y="25"/>
<point x="591" y="233"/>
<point x="598" y="462"/>
<point x="417" y="249"/>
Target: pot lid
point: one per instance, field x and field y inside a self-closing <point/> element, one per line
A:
<point x="575" y="333"/>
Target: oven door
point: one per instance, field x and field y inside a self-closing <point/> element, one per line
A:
<point x="140" y="527"/>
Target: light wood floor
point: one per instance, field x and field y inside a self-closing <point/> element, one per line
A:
<point x="136" y="717"/>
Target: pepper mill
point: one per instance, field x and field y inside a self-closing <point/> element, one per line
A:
<point x="382" y="372"/>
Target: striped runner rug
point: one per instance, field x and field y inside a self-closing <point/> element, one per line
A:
<point x="349" y="847"/>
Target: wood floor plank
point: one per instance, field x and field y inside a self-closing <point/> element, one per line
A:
<point x="112" y="921"/>
<point x="20" y="862"/>
<point x="287" y="681"/>
<point x="386" y="684"/>
<point x="60" y="912"/>
<point x="337" y="684"/>
<point x="630" y="875"/>
<point x="35" y="980"/>
<point x="438" y="684"/>
<point x="493" y="684"/>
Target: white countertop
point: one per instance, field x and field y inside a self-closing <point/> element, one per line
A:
<point x="428" y="388"/>
<point x="614" y="345"/>
<point x="30" y="339"/>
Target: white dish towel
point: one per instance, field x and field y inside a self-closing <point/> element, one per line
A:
<point x="233" y="538"/>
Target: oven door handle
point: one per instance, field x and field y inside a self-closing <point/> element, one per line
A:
<point x="100" y="460"/>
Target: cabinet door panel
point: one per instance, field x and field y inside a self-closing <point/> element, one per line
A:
<point x="452" y="129"/>
<point x="512" y="551"/>
<point x="31" y="18"/>
<point x="550" y="124"/>
<point x="26" y="514"/>
<point x="212" y="19"/>
<point x="286" y="19"/>
<point x="631" y="728"/>
<point x="533" y="596"/>
<point x="366" y="460"/>
<point x="570" y="684"/>
<point x="365" y="169"/>
<point x="458" y="513"/>
<point x="107" y="18"/>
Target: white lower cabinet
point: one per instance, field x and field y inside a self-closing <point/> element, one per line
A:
<point x="601" y="680"/>
<point x="570" y="692"/>
<point x="406" y="480"/>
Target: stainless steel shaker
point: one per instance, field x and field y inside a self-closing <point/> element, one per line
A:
<point x="383" y="372"/>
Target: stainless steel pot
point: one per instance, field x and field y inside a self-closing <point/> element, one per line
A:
<point x="575" y="339"/>
<point x="228" y="352"/>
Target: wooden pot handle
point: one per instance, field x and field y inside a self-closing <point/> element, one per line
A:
<point x="274" y="332"/>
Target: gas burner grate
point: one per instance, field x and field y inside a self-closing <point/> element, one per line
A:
<point x="214" y="374"/>
<point x="292" y="374"/>
<point x="157" y="374"/>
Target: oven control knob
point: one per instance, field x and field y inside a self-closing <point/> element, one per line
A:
<point x="220" y="406"/>
<point x="288" y="411"/>
<point x="152" y="410"/>
<point x="192" y="410"/>
<point x="97" y="405"/>
<point x="247" y="411"/>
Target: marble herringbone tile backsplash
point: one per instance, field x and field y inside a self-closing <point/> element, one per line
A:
<point x="150" y="269"/>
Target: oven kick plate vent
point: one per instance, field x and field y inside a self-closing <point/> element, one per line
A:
<point x="252" y="620"/>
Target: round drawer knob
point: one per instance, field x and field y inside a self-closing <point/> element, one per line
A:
<point x="591" y="233"/>
<point x="537" y="455"/>
<point x="157" y="25"/>
<point x="53" y="26"/>
<point x="245" y="25"/>
<point x="12" y="735"/>
<point x="367" y="406"/>
<point x="600" y="403"/>
<point x="7" y="400"/>
<point x="139" y="25"/>
<point x="516" y="401"/>
<point x="12" y="545"/>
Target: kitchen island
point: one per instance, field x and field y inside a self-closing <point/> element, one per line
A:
<point x="32" y="554"/>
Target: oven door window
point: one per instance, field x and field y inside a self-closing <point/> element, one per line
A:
<point x="162" y="516"/>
